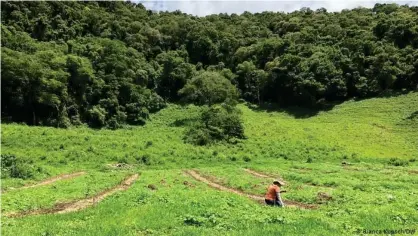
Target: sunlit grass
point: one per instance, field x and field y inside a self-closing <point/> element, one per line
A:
<point x="363" y="154"/>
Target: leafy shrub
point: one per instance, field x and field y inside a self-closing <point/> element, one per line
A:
<point x="398" y="162"/>
<point x="217" y="123"/>
<point x="113" y="124"/>
<point x="96" y="117"/>
<point x="16" y="168"/>
<point x="197" y="135"/>
<point x="156" y="103"/>
<point x="193" y="220"/>
<point x="144" y="159"/>
<point x="123" y="160"/>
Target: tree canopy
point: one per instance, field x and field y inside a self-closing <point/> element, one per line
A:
<point x="111" y="63"/>
<point x="209" y="88"/>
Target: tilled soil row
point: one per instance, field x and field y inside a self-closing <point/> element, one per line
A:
<point x="50" y="180"/>
<point x="262" y="175"/>
<point x="62" y="208"/>
<point x="257" y="198"/>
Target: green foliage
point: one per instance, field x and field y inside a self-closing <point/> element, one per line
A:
<point x="53" y="87"/>
<point x="397" y="162"/>
<point x="366" y="191"/>
<point x="60" y="60"/>
<point x="209" y="88"/>
<point x="216" y="123"/>
<point x="15" y="167"/>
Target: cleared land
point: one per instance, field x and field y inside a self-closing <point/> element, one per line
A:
<point x="80" y="204"/>
<point x="355" y="163"/>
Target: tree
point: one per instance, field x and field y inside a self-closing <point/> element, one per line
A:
<point x="251" y="81"/>
<point x="209" y="88"/>
<point x="111" y="63"/>
<point x="216" y="123"/>
<point x="174" y="73"/>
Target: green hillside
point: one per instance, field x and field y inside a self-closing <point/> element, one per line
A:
<point x="361" y="154"/>
<point x="379" y="128"/>
<point x="119" y="120"/>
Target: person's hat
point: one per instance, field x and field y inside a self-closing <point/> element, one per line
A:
<point x="276" y="181"/>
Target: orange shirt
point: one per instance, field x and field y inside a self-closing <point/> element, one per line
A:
<point x="272" y="192"/>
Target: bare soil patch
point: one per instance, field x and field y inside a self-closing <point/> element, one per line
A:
<point x="257" y="198"/>
<point x="62" y="208"/>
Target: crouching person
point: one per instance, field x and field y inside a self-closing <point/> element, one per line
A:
<point x="273" y="197"/>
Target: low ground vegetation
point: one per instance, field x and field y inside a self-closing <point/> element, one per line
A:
<point x="364" y="179"/>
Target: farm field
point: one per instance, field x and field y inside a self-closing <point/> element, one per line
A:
<point x="350" y="168"/>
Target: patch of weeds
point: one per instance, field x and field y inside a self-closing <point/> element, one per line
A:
<point x="123" y="160"/>
<point x="144" y="159"/>
<point x="360" y="187"/>
<point x="397" y="162"/>
<point x="275" y="220"/>
<point x="222" y="226"/>
<point x="193" y="220"/>
<point x="212" y="218"/>
<point x="400" y="219"/>
<point x="163" y="200"/>
<point x="148" y="144"/>
<point x="142" y="199"/>
<point x="14" y="167"/>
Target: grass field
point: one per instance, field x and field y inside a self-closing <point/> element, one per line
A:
<point x="356" y="163"/>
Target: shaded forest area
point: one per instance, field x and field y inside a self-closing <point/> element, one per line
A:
<point x="113" y="63"/>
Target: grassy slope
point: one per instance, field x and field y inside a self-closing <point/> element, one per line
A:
<point x="369" y="129"/>
<point x="367" y="194"/>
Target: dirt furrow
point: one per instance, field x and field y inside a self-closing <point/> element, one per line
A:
<point x="80" y="204"/>
<point x="257" y="198"/>
<point x="262" y="175"/>
<point x="50" y="180"/>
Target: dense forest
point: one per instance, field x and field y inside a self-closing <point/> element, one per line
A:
<point x="112" y="63"/>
